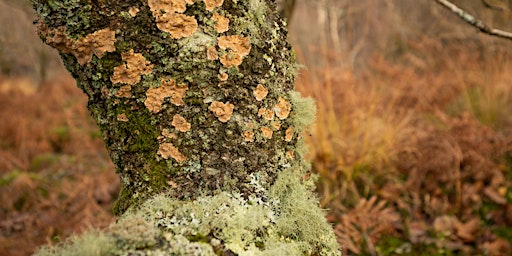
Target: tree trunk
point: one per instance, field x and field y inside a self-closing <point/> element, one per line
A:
<point x="195" y="101"/>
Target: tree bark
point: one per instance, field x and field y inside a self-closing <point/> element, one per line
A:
<point x="195" y="102"/>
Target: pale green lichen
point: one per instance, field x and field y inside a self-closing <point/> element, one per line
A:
<point x="284" y="220"/>
<point x="91" y="243"/>
<point x="304" y="111"/>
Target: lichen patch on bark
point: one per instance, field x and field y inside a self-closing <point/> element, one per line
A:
<point x="180" y="123"/>
<point x="211" y="4"/>
<point x="131" y="71"/>
<point x="212" y="54"/>
<point x="239" y="44"/>
<point x="260" y="92"/>
<point x="222" y="23"/>
<point x="289" y="134"/>
<point x="179" y="6"/>
<point x="248" y="136"/>
<point x="282" y="108"/>
<point x="268" y="114"/>
<point x="155" y="96"/>
<point x="237" y="47"/>
<point x="96" y="43"/>
<point x="266" y="132"/>
<point x="222" y="111"/>
<point x="223" y="77"/>
<point x="133" y="11"/>
<point x="167" y="150"/>
<point x="124" y="92"/>
<point x="177" y="24"/>
<point x="122" y="117"/>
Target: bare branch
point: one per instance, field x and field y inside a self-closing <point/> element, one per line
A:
<point x="474" y="21"/>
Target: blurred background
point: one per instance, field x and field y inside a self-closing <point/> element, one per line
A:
<point x="412" y="146"/>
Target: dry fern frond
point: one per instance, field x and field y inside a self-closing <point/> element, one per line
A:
<point x="365" y="223"/>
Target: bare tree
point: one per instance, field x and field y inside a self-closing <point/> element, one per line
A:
<point x="196" y="105"/>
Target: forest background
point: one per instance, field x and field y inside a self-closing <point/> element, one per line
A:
<point x="412" y="146"/>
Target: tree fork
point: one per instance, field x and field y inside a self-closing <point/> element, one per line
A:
<point x="195" y="102"/>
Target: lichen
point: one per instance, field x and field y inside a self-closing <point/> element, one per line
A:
<point x="155" y="96"/>
<point x="289" y="134"/>
<point x="212" y="4"/>
<point x="237" y="47"/>
<point x="178" y="6"/>
<point x="268" y="114"/>
<point x="167" y="150"/>
<point x="266" y="132"/>
<point x="282" y="108"/>
<point x="180" y="123"/>
<point x="170" y="18"/>
<point x="223" y="77"/>
<point x="239" y="44"/>
<point x="97" y="43"/>
<point x="222" y="23"/>
<point x="212" y="54"/>
<point x="177" y="24"/>
<point x="260" y="92"/>
<point x="305" y="112"/>
<point x="133" y="11"/>
<point x="131" y="71"/>
<point x="222" y="111"/>
<point x="122" y="117"/>
<point x="124" y="92"/>
<point x="276" y="126"/>
<point x="248" y="136"/>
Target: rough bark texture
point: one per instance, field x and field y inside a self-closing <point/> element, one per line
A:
<point x="195" y="100"/>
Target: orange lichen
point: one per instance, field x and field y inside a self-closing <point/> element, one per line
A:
<point x="276" y="126"/>
<point x="122" y="117"/>
<point x="133" y="11"/>
<point x="260" y="92"/>
<point x="124" y="92"/>
<point x="290" y="155"/>
<point x="211" y="4"/>
<point x="289" y="134"/>
<point x="231" y="60"/>
<point x="212" y="54"/>
<point x="282" y="108"/>
<point x="266" y="132"/>
<point x="167" y="150"/>
<point x="223" y="111"/>
<point x="177" y="24"/>
<point x="222" y="23"/>
<point x="168" y="88"/>
<point x="169" y="135"/>
<point x="266" y="113"/>
<point x="223" y="77"/>
<point x="96" y="43"/>
<point x="180" y="123"/>
<point x="238" y="46"/>
<point x="248" y="136"/>
<point x="179" y="6"/>
<point x="131" y="71"/>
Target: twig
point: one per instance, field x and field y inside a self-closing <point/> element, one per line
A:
<point x="474" y="21"/>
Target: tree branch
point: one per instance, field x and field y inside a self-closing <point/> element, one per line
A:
<point x="474" y="21"/>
